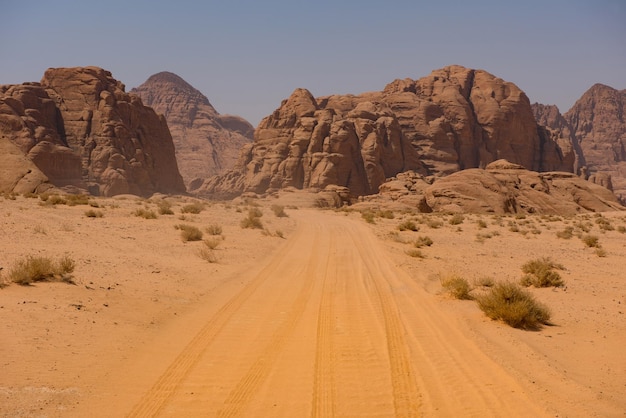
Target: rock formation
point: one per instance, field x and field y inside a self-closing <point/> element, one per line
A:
<point x="454" y="119"/>
<point x="78" y="127"/>
<point x="500" y="188"/>
<point x="598" y="124"/>
<point x="206" y="142"/>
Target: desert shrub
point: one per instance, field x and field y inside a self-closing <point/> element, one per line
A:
<point x="207" y="254"/>
<point x="52" y="199"/>
<point x="408" y="225"/>
<point x="37" y="269"/>
<point x="189" y="232"/>
<point x="94" y="213"/>
<point x="255" y="212"/>
<point x="540" y="273"/>
<point x="385" y="214"/>
<point x="77" y="199"/>
<point x="484" y="281"/>
<point x="214" y="229"/>
<point x="456" y="219"/>
<point x="252" y="220"/>
<point x="481" y="224"/>
<point x="434" y="223"/>
<point x="423" y="241"/>
<point x="368" y="216"/>
<point x="513" y="305"/>
<point x="415" y="253"/>
<point x="195" y="208"/>
<point x="278" y="233"/>
<point x="591" y="241"/>
<point x="601" y="252"/>
<point x="456" y="286"/>
<point x="584" y="226"/>
<point x="621" y="229"/>
<point x="212" y="243"/>
<point x="567" y="233"/>
<point x="279" y="211"/>
<point x="145" y="213"/>
<point x="604" y="224"/>
<point x="165" y="207"/>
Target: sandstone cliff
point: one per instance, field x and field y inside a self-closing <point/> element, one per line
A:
<point x="454" y="119"/>
<point x="206" y="142"/>
<point x="598" y="125"/>
<point x="79" y="128"/>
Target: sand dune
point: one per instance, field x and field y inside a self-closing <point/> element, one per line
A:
<point x="333" y="320"/>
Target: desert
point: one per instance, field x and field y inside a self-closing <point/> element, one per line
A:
<point x="319" y="312"/>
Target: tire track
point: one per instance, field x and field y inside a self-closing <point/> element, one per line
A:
<point x="157" y="397"/>
<point x="323" y="404"/>
<point x="406" y="395"/>
<point x="240" y="396"/>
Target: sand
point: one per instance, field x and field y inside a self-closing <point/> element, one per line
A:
<point x="321" y="314"/>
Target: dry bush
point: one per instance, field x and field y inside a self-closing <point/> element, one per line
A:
<point x="145" y="213"/>
<point x="385" y="214"/>
<point x="253" y="220"/>
<point x="484" y="281"/>
<point x="621" y="229"/>
<point x="189" y="232"/>
<point x="165" y="207"/>
<point x="513" y="305"/>
<point x="603" y="223"/>
<point x="423" y="241"/>
<point x="591" y="241"/>
<point x="481" y="224"/>
<point x="214" y="229"/>
<point x="279" y="211"/>
<point x="601" y="252"/>
<point x="207" y="254"/>
<point x="567" y="233"/>
<point x="434" y="223"/>
<point x="77" y="199"/>
<point x="540" y="273"/>
<point x="408" y="225"/>
<point x="456" y="219"/>
<point x="94" y="213"/>
<point x="368" y="216"/>
<point x="195" y="208"/>
<point x="415" y="253"/>
<point x="37" y="269"/>
<point x="456" y="286"/>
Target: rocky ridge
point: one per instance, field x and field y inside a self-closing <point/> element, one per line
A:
<point x="206" y="142"/>
<point x="78" y="128"/>
<point x="454" y="119"/>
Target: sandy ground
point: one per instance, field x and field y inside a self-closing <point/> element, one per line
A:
<point x="332" y="319"/>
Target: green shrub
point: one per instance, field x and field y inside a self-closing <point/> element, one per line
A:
<point x="456" y="286"/>
<point x="540" y="273"/>
<point x="36" y="269"/>
<point x="189" y="232"/>
<point x="513" y="305"/>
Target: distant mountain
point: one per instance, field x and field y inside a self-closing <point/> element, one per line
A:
<point x="206" y="142"/>
<point x="597" y="128"/>
<point x="79" y="129"/>
<point x="454" y="119"/>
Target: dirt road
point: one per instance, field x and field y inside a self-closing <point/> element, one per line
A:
<point x="329" y="327"/>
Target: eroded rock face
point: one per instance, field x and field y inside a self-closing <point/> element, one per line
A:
<point x="206" y="142"/>
<point x="500" y="188"/>
<point x="79" y="128"/>
<point x="455" y="118"/>
<point x="598" y="125"/>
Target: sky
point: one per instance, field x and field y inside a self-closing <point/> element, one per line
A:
<point x="247" y="56"/>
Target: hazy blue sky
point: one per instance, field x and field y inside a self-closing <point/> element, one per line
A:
<point x="246" y="56"/>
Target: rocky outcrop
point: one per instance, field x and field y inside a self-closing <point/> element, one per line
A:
<point x="454" y="119"/>
<point x="79" y="128"/>
<point x="599" y="127"/>
<point x="206" y="142"/>
<point x="500" y="188"/>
